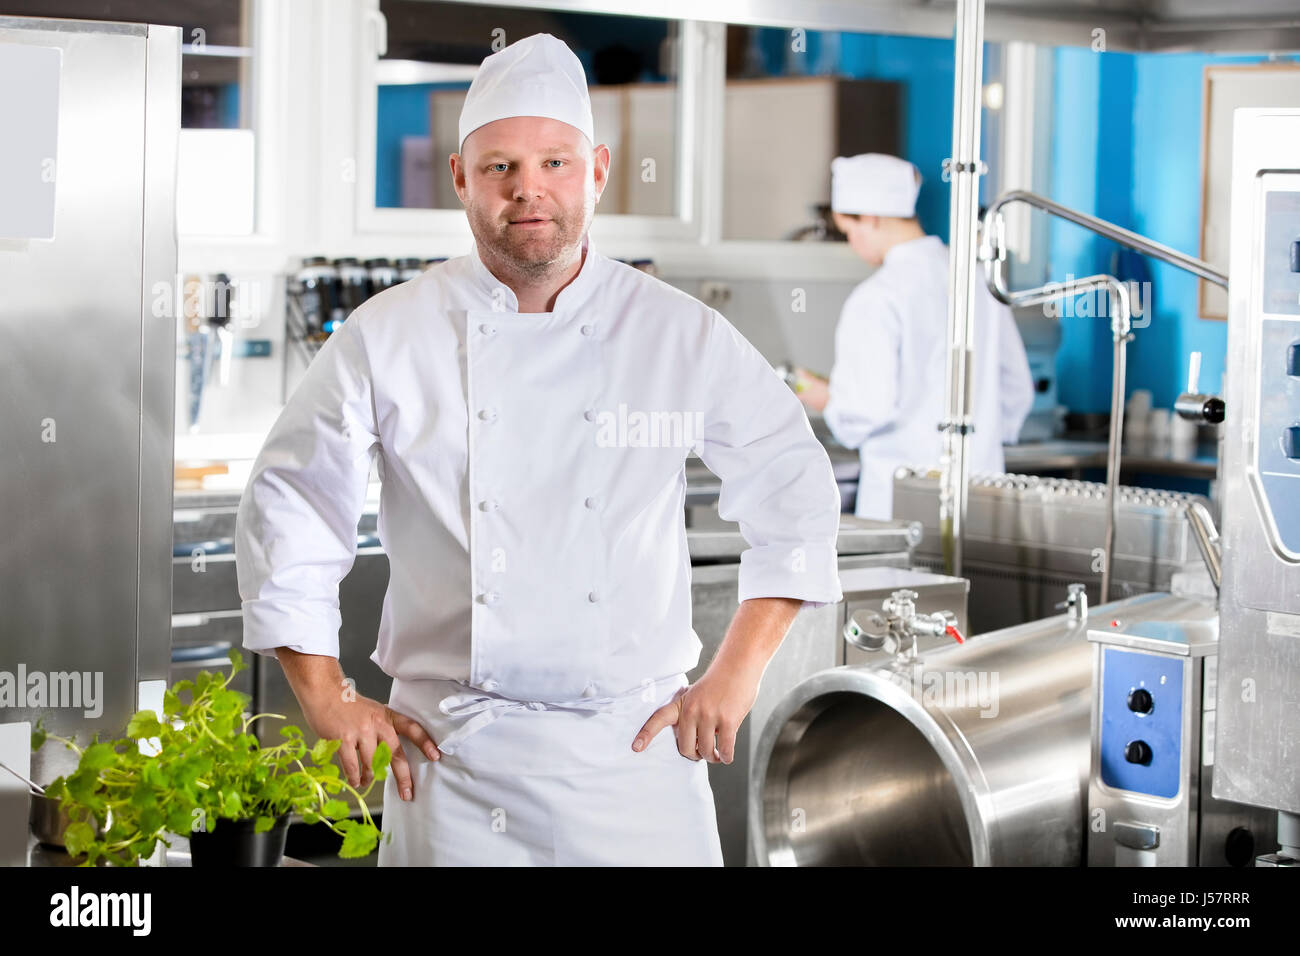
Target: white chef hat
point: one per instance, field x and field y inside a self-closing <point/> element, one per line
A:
<point x="874" y="184"/>
<point x="536" y="76"/>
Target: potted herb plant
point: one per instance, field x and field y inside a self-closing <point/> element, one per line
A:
<point x="207" y="778"/>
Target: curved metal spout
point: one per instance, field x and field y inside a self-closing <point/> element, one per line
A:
<point x="1125" y="237"/>
<point x="993" y="253"/>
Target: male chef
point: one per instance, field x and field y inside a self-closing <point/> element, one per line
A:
<point x="885" y="396"/>
<point x="531" y="407"/>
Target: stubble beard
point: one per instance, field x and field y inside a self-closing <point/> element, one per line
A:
<point x="532" y="255"/>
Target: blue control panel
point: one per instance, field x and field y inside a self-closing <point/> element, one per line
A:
<point x="1278" y="435"/>
<point x="1141" y="721"/>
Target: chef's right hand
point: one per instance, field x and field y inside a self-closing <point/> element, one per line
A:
<point x="360" y="723"/>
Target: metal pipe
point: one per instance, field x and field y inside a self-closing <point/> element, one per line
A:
<point x="964" y="169"/>
<point x="1121" y="235"/>
<point x="993" y="252"/>
<point x="1207" y="540"/>
<point x="1119" y="370"/>
<point x="1121" y="312"/>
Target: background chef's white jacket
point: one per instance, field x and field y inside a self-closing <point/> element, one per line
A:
<point x="887" y="387"/>
<point x="532" y="554"/>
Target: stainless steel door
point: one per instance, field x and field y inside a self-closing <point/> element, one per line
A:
<point x="88" y="367"/>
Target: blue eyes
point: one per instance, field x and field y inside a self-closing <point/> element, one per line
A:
<point x="502" y="167"/>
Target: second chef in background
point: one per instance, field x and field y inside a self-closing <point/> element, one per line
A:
<point x="886" y="391"/>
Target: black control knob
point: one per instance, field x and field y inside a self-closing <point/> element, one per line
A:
<point x="1291" y="442"/>
<point x="1139" y="701"/>
<point x="1137" y="751"/>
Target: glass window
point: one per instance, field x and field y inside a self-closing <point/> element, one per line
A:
<point x="434" y="50"/>
<point x="216" y="159"/>
<point x="217" y="49"/>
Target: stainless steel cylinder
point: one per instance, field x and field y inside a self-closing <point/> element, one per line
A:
<point x="976" y="755"/>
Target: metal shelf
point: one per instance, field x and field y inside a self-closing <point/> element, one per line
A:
<point x="298" y="334"/>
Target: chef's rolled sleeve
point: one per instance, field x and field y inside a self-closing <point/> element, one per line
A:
<point x="777" y="480"/>
<point x="296" y="529"/>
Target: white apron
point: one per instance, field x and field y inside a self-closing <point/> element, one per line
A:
<point x="558" y="784"/>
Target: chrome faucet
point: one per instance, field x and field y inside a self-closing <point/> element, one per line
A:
<point x="897" y="620"/>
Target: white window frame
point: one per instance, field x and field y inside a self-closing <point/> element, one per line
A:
<point x="272" y="132"/>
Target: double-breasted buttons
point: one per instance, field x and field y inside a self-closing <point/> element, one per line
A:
<point x="488" y="504"/>
<point x="491" y="598"/>
<point x="488" y="414"/>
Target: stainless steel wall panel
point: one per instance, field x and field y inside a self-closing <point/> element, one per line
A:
<point x="1258" y="745"/>
<point x="87" y="378"/>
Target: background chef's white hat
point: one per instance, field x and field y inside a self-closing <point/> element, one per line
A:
<point x="536" y="76"/>
<point x="874" y="184"/>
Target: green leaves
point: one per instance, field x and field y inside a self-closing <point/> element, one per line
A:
<point x="383" y="757"/>
<point x="208" y="767"/>
<point x="358" y="839"/>
<point x="324" y="750"/>
<point x="180" y="818"/>
<point x="97" y="757"/>
<point x="77" y="837"/>
<point x="144" y="724"/>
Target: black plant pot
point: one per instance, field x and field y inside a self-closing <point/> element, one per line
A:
<point x="233" y="843"/>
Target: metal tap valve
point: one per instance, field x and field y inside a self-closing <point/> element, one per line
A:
<point x="891" y="627"/>
<point x="1193" y="404"/>
<point x="1076" y="605"/>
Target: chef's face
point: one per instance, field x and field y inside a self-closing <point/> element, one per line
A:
<point x="530" y="187"/>
<point x="864" y="234"/>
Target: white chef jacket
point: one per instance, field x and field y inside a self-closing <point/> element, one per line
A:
<point x="533" y="486"/>
<point x="887" y="387"/>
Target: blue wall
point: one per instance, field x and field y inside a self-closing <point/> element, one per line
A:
<point x="1126" y="146"/>
<point x="402" y="111"/>
<point x="924" y="66"/>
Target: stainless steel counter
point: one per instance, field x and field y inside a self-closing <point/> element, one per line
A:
<point x="711" y="539"/>
<point x="703" y="487"/>
<point x="178" y="855"/>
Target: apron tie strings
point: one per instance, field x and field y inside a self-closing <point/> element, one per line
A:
<point x="482" y="709"/>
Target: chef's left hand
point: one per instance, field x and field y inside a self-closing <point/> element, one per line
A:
<point x="812" y="389"/>
<point x="713" y="706"/>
